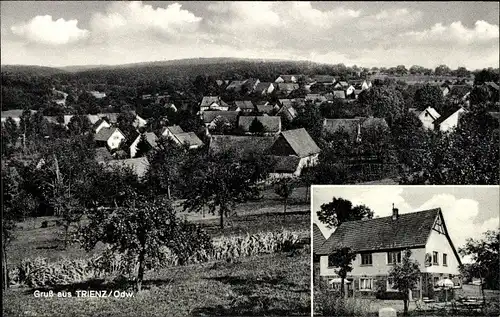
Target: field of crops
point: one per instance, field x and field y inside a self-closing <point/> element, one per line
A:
<point x="39" y="272"/>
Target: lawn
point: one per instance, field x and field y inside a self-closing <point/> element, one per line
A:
<point x="276" y="285"/>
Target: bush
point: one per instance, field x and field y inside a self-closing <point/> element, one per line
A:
<point x="45" y="224"/>
<point x="332" y="304"/>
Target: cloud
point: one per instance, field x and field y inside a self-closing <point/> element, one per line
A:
<point x="459" y="216"/>
<point x="44" y="30"/>
<point x="456" y="33"/>
<point x="124" y="20"/>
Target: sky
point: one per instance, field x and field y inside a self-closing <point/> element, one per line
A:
<point x="468" y="211"/>
<point x="366" y="34"/>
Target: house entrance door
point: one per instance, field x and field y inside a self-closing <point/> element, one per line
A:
<point x="350" y="288"/>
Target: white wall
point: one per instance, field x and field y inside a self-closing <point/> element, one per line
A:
<point x="115" y="139"/>
<point x="379" y="264"/>
<point x="451" y="122"/>
<point x="438" y="242"/>
<point x="133" y="147"/>
<point x="427" y="120"/>
<point x="103" y="124"/>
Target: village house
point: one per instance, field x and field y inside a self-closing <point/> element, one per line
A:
<point x="317" y="241"/>
<point x="428" y="117"/>
<point x="449" y="121"/>
<point x="243" y="106"/>
<point x="100" y="124"/>
<point x="211" y="118"/>
<point x="292" y="151"/>
<point x="176" y="134"/>
<point x="266" y="108"/>
<point x="236" y="85"/>
<point x="110" y="137"/>
<point x="150" y="139"/>
<point x="315" y="98"/>
<point x="170" y="131"/>
<point x="287" y="78"/>
<point x="380" y="243"/>
<point x="323" y="79"/>
<point x="271" y="124"/>
<point x="250" y="84"/>
<point x="264" y="88"/>
<point x="339" y="94"/>
<point x="287" y="88"/>
<point x="287" y="110"/>
<point x="213" y="103"/>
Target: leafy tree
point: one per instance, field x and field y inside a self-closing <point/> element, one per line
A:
<point x="416" y="69"/>
<point x="442" y="70"/>
<point x="140" y="229"/>
<point x="405" y="276"/>
<point x="342" y="260"/>
<point x="480" y="95"/>
<point x="340" y="210"/>
<point x="219" y="181"/>
<point x="125" y="122"/>
<point x="16" y="204"/>
<point x="486" y="75"/>
<point x="311" y="120"/>
<point x="484" y="254"/>
<point x="462" y="72"/>
<point x="429" y="96"/>
<point x="256" y="127"/>
<point x="409" y="139"/>
<point x="79" y="124"/>
<point x="383" y="102"/>
<point x="164" y="166"/>
<point x="284" y="188"/>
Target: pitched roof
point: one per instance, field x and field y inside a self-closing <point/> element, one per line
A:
<point x="102" y="154"/>
<point x="208" y="100"/>
<point x="315" y="97"/>
<point x="189" y="138"/>
<point x="339" y="94"/>
<point x="288" y="86"/>
<point x="266" y="108"/>
<point x="434" y="114"/>
<point x="318" y="237"/>
<point x="235" y="84"/>
<point x="262" y="86"/>
<point x="301" y="142"/>
<point x="209" y="116"/>
<point x="448" y="114"/>
<point x="348" y="125"/>
<point x="492" y="85"/>
<point x="151" y="138"/>
<point x="324" y="78"/>
<point x="271" y="123"/>
<point x="105" y="133"/>
<point x="244" y="104"/>
<point x="15" y="113"/>
<point x="243" y="146"/>
<point x="407" y="231"/>
<point x="288" y="78"/>
<point x="173" y="129"/>
<point x="285" y="164"/>
<point x="138" y="165"/>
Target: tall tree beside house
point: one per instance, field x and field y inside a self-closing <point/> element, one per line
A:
<point x="164" y="166"/>
<point x="284" y="188"/>
<point x="341" y="259"/>
<point x="218" y="181"/>
<point x="405" y="276"/>
<point x="256" y="127"/>
<point x="311" y="120"/>
<point x="484" y="254"/>
<point x="140" y="229"/>
<point x="409" y="139"/>
<point x="79" y="124"/>
<point x="340" y="210"/>
<point x="429" y="96"/>
<point x="383" y="102"/>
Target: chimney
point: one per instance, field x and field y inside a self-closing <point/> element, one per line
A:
<point x="394" y="213"/>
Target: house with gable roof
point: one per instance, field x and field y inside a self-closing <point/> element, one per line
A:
<point x="271" y="124"/>
<point x="149" y="137"/>
<point x="379" y="243"/>
<point x="449" y="120"/>
<point x="111" y="137"/>
<point x="213" y="103"/>
<point x="428" y="117"/>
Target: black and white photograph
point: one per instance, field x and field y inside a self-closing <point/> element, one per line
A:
<point x="405" y="250"/>
<point x="158" y="156"/>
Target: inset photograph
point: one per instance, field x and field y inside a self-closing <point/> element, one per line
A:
<point x="417" y="250"/>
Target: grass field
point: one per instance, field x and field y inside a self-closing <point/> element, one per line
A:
<point x="257" y="286"/>
<point x="275" y="284"/>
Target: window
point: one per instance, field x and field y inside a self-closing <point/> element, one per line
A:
<point x="445" y="259"/>
<point x="438" y="225"/>
<point x="436" y="280"/>
<point x="435" y="258"/>
<point x="390" y="284"/>
<point x="365" y="284"/>
<point x="393" y="257"/>
<point x="366" y="259"/>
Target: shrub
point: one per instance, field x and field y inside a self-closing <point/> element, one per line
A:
<point x="332" y="304"/>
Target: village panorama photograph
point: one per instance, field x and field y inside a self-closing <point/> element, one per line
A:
<point x="405" y="250"/>
<point x="158" y="156"/>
